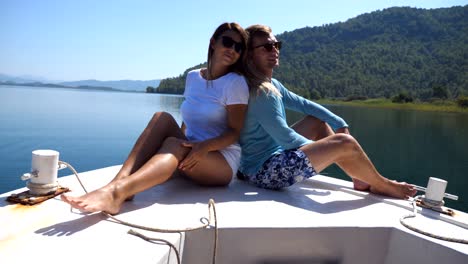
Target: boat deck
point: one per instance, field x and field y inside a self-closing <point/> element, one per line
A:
<point x="321" y="220"/>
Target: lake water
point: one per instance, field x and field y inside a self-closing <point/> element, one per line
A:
<point x="95" y="129"/>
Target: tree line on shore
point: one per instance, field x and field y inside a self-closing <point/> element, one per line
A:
<point x="399" y="53"/>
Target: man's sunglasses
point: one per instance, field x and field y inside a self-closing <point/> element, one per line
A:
<point x="269" y="46"/>
<point x="228" y="42"/>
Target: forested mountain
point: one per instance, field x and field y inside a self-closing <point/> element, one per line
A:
<point x="176" y="85"/>
<point x="378" y="54"/>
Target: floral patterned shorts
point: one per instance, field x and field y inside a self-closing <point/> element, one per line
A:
<point x="283" y="170"/>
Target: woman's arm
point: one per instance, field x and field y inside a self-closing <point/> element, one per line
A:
<point x="235" y="118"/>
<point x="235" y="121"/>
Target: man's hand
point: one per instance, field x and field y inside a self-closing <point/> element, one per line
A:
<point x="344" y="130"/>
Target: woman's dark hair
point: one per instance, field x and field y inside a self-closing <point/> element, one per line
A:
<point x="237" y="67"/>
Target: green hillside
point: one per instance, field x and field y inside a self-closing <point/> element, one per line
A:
<point x="176" y="85"/>
<point x="379" y="54"/>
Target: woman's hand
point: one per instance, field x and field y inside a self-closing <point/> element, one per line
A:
<point x="198" y="152"/>
<point x="235" y="115"/>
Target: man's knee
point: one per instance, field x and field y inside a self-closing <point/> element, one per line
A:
<point x="321" y="127"/>
<point x="313" y="120"/>
<point x="347" y="142"/>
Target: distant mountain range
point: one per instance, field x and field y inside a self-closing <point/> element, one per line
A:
<point x="122" y="85"/>
<point x="126" y="85"/>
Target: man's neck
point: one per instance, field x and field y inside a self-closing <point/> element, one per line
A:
<point x="268" y="73"/>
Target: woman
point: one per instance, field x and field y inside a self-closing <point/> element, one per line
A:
<point x="275" y="155"/>
<point x="205" y="149"/>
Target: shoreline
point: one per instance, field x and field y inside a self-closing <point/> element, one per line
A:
<point x="446" y="106"/>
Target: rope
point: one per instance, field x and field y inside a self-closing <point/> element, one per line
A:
<point x="211" y="206"/>
<point x="414" y="214"/>
<point x="205" y="223"/>
<point x="74" y="172"/>
<point x="151" y="240"/>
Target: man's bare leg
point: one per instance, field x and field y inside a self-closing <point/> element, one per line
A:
<point x="345" y="150"/>
<point x="315" y="129"/>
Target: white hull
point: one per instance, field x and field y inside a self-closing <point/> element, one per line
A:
<point x="321" y="220"/>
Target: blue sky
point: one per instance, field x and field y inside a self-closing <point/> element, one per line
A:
<point x="71" y="40"/>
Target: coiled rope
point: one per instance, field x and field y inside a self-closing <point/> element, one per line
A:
<point x="205" y="223"/>
<point x="413" y="214"/>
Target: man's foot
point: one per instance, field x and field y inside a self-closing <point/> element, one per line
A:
<point x="100" y="200"/>
<point x="395" y="189"/>
<point x="360" y="185"/>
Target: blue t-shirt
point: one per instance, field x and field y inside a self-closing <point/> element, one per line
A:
<point x="266" y="131"/>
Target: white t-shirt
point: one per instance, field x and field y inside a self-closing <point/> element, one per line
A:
<point x="204" y="108"/>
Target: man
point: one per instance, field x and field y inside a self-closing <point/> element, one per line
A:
<point x="275" y="155"/>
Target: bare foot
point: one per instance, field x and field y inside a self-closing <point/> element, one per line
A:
<point x="360" y="185"/>
<point x="395" y="189"/>
<point x="103" y="199"/>
<point x="119" y="176"/>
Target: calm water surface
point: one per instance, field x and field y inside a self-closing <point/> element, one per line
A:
<point x="95" y="129"/>
<point x="90" y="129"/>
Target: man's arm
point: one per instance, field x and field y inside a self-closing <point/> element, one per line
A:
<point x="298" y="103"/>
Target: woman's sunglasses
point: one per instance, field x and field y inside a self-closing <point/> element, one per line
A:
<point x="269" y="46"/>
<point x="229" y="43"/>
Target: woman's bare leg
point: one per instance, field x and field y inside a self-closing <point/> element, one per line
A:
<point x="161" y="126"/>
<point x="212" y="171"/>
<point x="345" y="150"/>
<point x="156" y="170"/>
<point x="315" y="129"/>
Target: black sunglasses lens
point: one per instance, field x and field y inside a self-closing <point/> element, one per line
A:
<point x="269" y="46"/>
<point x="238" y="47"/>
<point x="229" y="42"/>
<point x="278" y="45"/>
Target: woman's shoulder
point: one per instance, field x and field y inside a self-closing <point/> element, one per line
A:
<point x="234" y="76"/>
<point x="234" y="79"/>
<point x="195" y="71"/>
